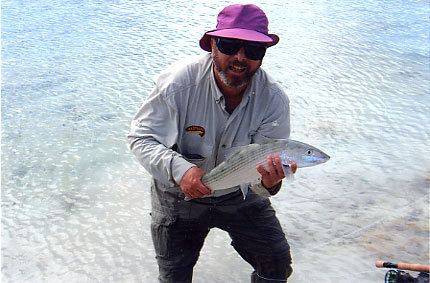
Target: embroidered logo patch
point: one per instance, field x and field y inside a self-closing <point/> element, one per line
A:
<point x="195" y="130"/>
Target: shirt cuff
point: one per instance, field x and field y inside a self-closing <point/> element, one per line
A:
<point x="274" y="190"/>
<point x="261" y="190"/>
<point x="179" y="167"/>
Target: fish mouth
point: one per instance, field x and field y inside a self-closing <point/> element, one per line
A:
<point x="322" y="158"/>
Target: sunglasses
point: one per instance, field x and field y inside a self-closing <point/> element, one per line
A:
<point x="229" y="46"/>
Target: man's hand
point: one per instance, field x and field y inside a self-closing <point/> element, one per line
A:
<point x="191" y="183"/>
<point x="274" y="173"/>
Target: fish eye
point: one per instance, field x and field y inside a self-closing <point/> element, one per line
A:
<point x="309" y="151"/>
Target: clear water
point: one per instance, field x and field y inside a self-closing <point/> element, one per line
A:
<point x="75" y="203"/>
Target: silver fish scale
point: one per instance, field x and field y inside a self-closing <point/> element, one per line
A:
<point x="240" y="167"/>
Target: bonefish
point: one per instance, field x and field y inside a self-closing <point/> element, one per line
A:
<point x="240" y="168"/>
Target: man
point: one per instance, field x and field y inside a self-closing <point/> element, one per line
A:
<point x="199" y="113"/>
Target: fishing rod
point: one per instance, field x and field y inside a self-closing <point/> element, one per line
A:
<point x="396" y="275"/>
<point x="403" y="266"/>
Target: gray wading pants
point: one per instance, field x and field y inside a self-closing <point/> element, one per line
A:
<point x="179" y="229"/>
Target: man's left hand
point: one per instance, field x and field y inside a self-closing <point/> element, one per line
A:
<point x="274" y="173"/>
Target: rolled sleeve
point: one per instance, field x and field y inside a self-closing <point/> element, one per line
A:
<point x="179" y="167"/>
<point x="153" y="134"/>
<point x="261" y="190"/>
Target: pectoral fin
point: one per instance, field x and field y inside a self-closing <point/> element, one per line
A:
<point x="288" y="172"/>
<point x="244" y="188"/>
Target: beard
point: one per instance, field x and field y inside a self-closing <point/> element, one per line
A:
<point x="233" y="81"/>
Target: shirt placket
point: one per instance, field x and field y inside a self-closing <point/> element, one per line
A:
<point x="230" y="127"/>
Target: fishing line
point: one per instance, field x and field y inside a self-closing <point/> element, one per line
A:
<point x="390" y="217"/>
<point x="349" y="275"/>
<point x="352" y="274"/>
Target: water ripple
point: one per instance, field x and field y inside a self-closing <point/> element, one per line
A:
<point x="75" y="203"/>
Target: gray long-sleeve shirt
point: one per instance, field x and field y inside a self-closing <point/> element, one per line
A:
<point x="184" y="123"/>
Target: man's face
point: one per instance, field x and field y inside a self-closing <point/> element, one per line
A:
<point x="235" y="71"/>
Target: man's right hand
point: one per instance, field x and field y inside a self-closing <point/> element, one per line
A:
<point x="191" y="183"/>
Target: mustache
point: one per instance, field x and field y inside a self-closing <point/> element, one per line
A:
<point x="239" y="64"/>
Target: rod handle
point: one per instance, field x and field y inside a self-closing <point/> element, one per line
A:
<point x="404" y="266"/>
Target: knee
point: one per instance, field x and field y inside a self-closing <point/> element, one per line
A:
<point x="275" y="267"/>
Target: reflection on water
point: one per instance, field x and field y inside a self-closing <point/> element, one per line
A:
<point x="75" y="203"/>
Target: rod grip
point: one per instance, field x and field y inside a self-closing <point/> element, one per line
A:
<point x="404" y="266"/>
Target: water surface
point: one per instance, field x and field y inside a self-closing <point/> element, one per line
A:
<point x="75" y="203"/>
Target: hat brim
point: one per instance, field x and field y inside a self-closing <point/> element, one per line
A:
<point x="243" y="34"/>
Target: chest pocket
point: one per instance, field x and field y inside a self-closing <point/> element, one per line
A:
<point x="199" y="154"/>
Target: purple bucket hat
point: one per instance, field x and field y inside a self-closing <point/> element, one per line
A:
<point x="246" y="22"/>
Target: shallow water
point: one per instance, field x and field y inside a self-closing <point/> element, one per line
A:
<point x="75" y="203"/>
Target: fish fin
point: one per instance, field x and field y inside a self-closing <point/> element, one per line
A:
<point x="255" y="182"/>
<point x="288" y="172"/>
<point x="244" y="188"/>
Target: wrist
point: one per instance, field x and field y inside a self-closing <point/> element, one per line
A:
<point x="267" y="187"/>
<point x="274" y="189"/>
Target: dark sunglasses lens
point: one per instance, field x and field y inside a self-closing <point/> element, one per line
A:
<point x="255" y="51"/>
<point x="228" y="46"/>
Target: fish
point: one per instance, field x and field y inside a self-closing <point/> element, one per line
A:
<point x="240" y="168"/>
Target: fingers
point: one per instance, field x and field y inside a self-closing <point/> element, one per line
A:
<point x="293" y="166"/>
<point x="191" y="184"/>
<point x="277" y="166"/>
<point x="194" y="192"/>
<point x="273" y="173"/>
<point x="270" y="169"/>
<point x="274" y="167"/>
